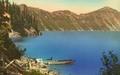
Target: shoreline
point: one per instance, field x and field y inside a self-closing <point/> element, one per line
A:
<point x="36" y="64"/>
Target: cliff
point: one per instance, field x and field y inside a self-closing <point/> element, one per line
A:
<point x="26" y="18"/>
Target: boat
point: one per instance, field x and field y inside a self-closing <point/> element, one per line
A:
<point x="59" y="62"/>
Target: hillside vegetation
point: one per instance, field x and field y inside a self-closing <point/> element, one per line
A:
<point x="7" y="47"/>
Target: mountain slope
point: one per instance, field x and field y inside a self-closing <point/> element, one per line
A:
<point x="104" y="19"/>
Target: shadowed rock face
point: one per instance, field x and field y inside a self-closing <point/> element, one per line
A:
<point x="104" y="19"/>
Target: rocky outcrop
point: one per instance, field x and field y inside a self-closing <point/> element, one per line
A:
<point x="14" y="35"/>
<point x="30" y="32"/>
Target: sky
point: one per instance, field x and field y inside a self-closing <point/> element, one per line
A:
<point x="77" y="6"/>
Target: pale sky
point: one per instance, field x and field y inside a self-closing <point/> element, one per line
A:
<point x="77" y="6"/>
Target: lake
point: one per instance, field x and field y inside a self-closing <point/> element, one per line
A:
<point x="84" y="47"/>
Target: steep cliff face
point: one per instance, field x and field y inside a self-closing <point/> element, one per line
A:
<point x="52" y="21"/>
<point x="104" y="19"/>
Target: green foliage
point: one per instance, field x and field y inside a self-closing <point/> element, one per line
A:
<point x="20" y="18"/>
<point x="109" y="59"/>
<point x="8" y="47"/>
<point x="6" y="44"/>
<point x="110" y="63"/>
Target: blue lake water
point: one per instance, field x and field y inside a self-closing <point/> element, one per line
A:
<point x="84" y="47"/>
